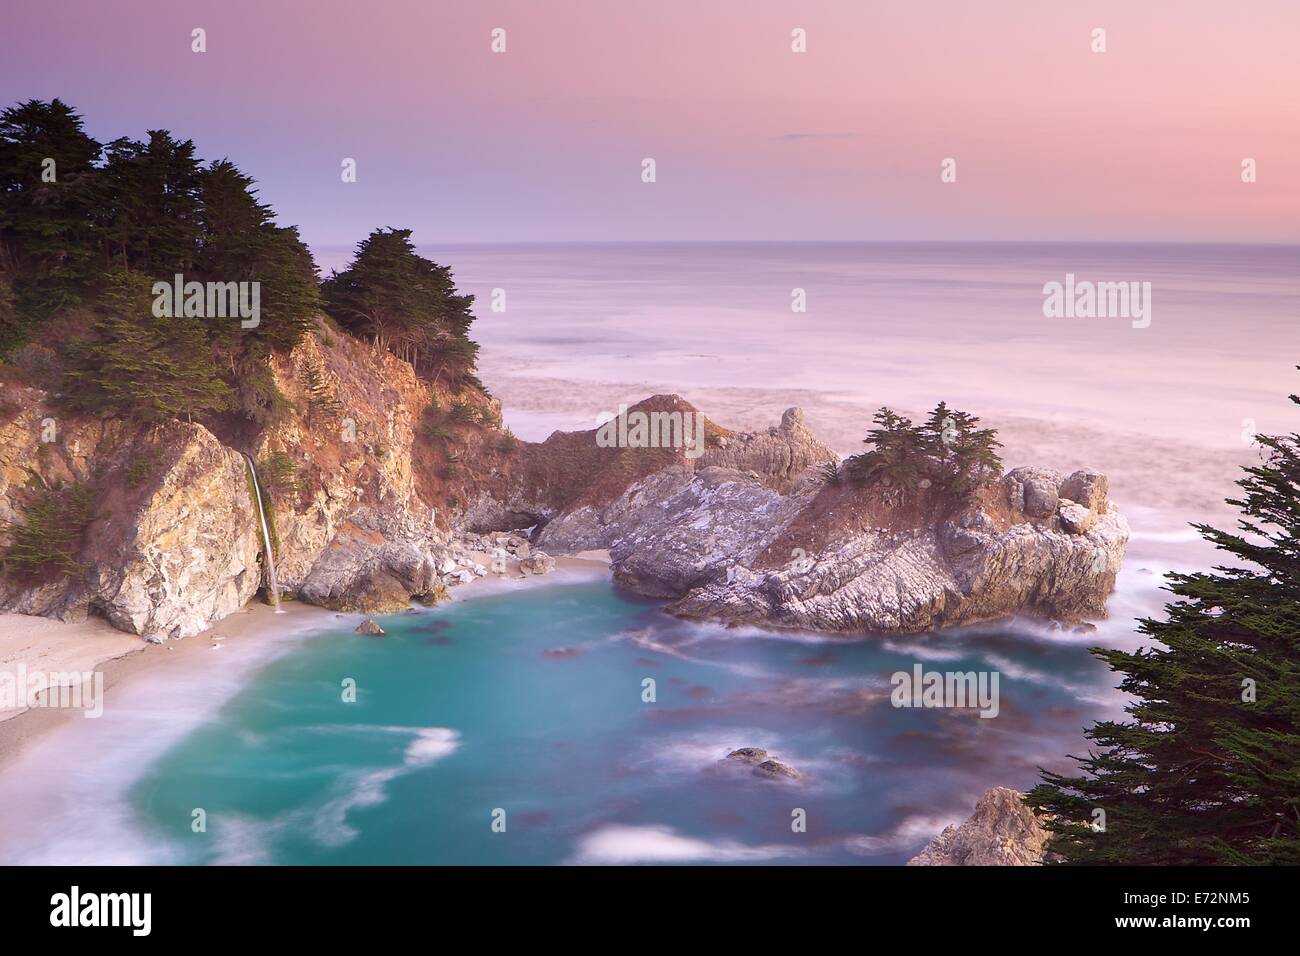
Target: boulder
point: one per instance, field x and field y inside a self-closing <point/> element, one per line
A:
<point x="539" y="563"/>
<point x="1075" y="518"/>
<point x="748" y="755"/>
<point x="1033" y="491"/>
<point x="775" y="768"/>
<point x="368" y="626"/>
<point x="1088" y="487"/>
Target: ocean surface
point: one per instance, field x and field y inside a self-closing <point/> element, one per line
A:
<point x="904" y="324"/>
<point x="529" y="702"/>
<point x="527" y="707"/>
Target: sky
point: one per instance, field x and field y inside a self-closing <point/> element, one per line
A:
<point x="751" y="140"/>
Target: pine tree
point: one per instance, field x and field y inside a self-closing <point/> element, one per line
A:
<point x="964" y="456"/>
<point x="1208" y="769"/>
<point x="239" y="242"/>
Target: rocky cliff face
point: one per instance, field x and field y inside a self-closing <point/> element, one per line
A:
<point x="1001" y="832"/>
<point x="381" y="487"/>
<point x="176" y="542"/>
<point x="172" y="547"/>
<point x="778" y="547"/>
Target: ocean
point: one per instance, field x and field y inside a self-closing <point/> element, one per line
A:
<point x="529" y="702"/>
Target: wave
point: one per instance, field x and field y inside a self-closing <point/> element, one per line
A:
<point x="622" y="844"/>
<point x="85" y="817"/>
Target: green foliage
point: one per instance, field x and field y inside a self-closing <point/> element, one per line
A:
<point x="48" y="538"/>
<point x="963" y="456"/>
<point x="239" y="242"/>
<point x="143" y="465"/>
<point x="1202" y="774"/>
<point x="436" y="432"/>
<point x="139" y="366"/>
<point x="462" y="413"/>
<point x="148" y="215"/>
<point x="405" y="304"/>
<point x="279" y="474"/>
<point x="12" y="326"/>
<point x="151" y="208"/>
<point x="831" y="473"/>
<point x="508" y="443"/>
<point x="947" y="453"/>
<point x="320" y="397"/>
<point x="45" y="226"/>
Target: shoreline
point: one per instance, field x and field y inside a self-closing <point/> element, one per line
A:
<point x="49" y="644"/>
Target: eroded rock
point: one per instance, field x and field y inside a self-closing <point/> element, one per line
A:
<point x="1001" y="832"/>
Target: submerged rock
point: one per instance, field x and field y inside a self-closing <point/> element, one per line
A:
<point x="763" y="765"/>
<point x="748" y="755"/>
<point x="368" y="626"/>
<point x="775" y="768"/>
<point x="1001" y="832"/>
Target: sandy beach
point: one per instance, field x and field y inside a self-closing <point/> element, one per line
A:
<point x="93" y="645"/>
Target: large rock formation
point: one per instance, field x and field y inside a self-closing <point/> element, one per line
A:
<point x="1001" y="832"/>
<point x="380" y="488"/>
<point x="173" y="546"/>
<point x="827" y="569"/>
<point x="176" y="542"/>
<point x="782" y="549"/>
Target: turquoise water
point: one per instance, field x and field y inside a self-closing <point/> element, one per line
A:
<point x="527" y="707"/>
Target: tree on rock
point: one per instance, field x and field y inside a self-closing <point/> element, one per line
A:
<point x="1208" y="769"/>
<point x="405" y="304"/>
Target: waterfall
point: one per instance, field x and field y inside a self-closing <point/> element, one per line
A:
<point x="273" y="580"/>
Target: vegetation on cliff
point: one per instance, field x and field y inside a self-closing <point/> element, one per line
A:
<point x="404" y="303"/>
<point x="87" y="228"/>
<point x="948" y="455"/>
<point x="1208" y="769"/>
<point x="54" y="519"/>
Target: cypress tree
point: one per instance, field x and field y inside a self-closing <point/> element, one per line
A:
<point x="406" y="304"/>
<point x="1207" y="771"/>
<point x="45" y="210"/>
<point x="141" y="366"/>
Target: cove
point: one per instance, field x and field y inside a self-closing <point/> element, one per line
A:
<point x="527" y="706"/>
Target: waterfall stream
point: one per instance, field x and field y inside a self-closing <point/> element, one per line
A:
<point x="273" y="581"/>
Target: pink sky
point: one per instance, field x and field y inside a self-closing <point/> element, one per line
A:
<point x="751" y="140"/>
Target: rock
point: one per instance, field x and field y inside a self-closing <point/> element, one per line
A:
<point x="1001" y="832"/>
<point x="169" y="555"/>
<point x="539" y="563"/>
<point x="774" y="768"/>
<point x="777" y="457"/>
<point x="1075" y="518"/>
<point x="365" y="572"/>
<point x="368" y="626"/>
<point x="1033" y="490"/>
<point x="1088" y="487"/>
<point x="748" y="755"/>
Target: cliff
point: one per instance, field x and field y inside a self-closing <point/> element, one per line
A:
<point x="381" y="487"/>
